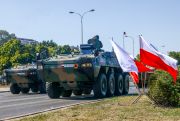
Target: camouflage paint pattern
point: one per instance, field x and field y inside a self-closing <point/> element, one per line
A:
<point x="21" y="76"/>
<point x="62" y="69"/>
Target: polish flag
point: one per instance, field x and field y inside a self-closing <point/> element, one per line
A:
<point x="141" y="67"/>
<point x="125" y="61"/>
<point x="149" y="55"/>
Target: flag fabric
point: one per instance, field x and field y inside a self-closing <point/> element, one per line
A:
<point x="135" y="77"/>
<point x="125" y="61"/>
<point x="141" y="67"/>
<point x="149" y="55"/>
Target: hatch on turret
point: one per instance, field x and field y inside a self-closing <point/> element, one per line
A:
<point x="86" y="48"/>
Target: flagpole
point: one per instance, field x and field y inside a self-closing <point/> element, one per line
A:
<point x="125" y="35"/>
<point x="145" y="74"/>
<point x="142" y="79"/>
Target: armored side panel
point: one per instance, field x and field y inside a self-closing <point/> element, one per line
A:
<point x="21" y="76"/>
<point x="24" y="79"/>
<point x="69" y="71"/>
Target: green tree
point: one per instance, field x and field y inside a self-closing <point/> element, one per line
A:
<point x="66" y="49"/>
<point x="138" y="57"/>
<point x="5" y="36"/>
<point x="13" y="53"/>
<point x="49" y="43"/>
<point x="175" y="55"/>
<point x="59" y="50"/>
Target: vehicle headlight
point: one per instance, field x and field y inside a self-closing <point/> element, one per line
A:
<point x="84" y="65"/>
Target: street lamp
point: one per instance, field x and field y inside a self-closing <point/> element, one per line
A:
<point x="125" y="35"/>
<point x="163" y="46"/>
<point x="81" y="16"/>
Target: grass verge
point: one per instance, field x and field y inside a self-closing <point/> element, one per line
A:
<point x="111" y="109"/>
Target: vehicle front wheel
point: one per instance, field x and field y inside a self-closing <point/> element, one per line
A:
<point x="100" y="86"/>
<point x="14" y="88"/>
<point x="54" y="90"/>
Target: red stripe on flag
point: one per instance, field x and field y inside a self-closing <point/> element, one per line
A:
<point x="135" y="77"/>
<point x="155" y="61"/>
<point x="141" y="67"/>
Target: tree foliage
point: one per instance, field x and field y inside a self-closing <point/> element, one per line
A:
<point x="5" y="36"/>
<point x="13" y="53"/>
<point x="175" y="55"/>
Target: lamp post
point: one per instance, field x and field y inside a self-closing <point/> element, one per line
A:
<point x="125" y="35"/>
<point x="163" y="46"/>
<point x="81" y="16"/>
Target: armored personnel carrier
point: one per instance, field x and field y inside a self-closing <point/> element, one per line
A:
<point x="24" y="78"/>
<point x="92" y="69"/>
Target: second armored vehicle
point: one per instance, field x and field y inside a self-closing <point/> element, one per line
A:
<point x="23" y="79"/>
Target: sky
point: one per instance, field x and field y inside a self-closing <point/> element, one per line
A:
<point x="158" y="21"/>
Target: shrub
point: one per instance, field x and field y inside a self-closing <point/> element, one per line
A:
<point x="162" y="89"/>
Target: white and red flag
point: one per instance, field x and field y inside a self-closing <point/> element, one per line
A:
<point x="150" y="56"/>
<point x="141" y="67"/>
<point x="125" y="61"/>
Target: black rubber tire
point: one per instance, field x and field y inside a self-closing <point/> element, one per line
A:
<point x="54" y="90"/>
<point x="66" y="93"/>
<point x="77" y="92"/>
<point x="34" y="87"/>
<point x="14" y="88"/>
<point x="100" y="86"/>
<point x="87" y="91"/>
<point x="126" y="84"/>
<point x="118" y="85"/>
<point x="25" y="90"/>
<point x="110" y="85"/>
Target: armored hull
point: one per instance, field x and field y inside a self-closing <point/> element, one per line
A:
<point x="23" y="79"/>
<point x="85" y="72"/>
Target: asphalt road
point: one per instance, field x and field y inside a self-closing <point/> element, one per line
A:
<point x="23" y="104"/>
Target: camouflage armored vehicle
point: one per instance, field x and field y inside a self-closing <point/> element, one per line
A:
<point x="92" y="69"/>
<point x="23" y="78"/>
